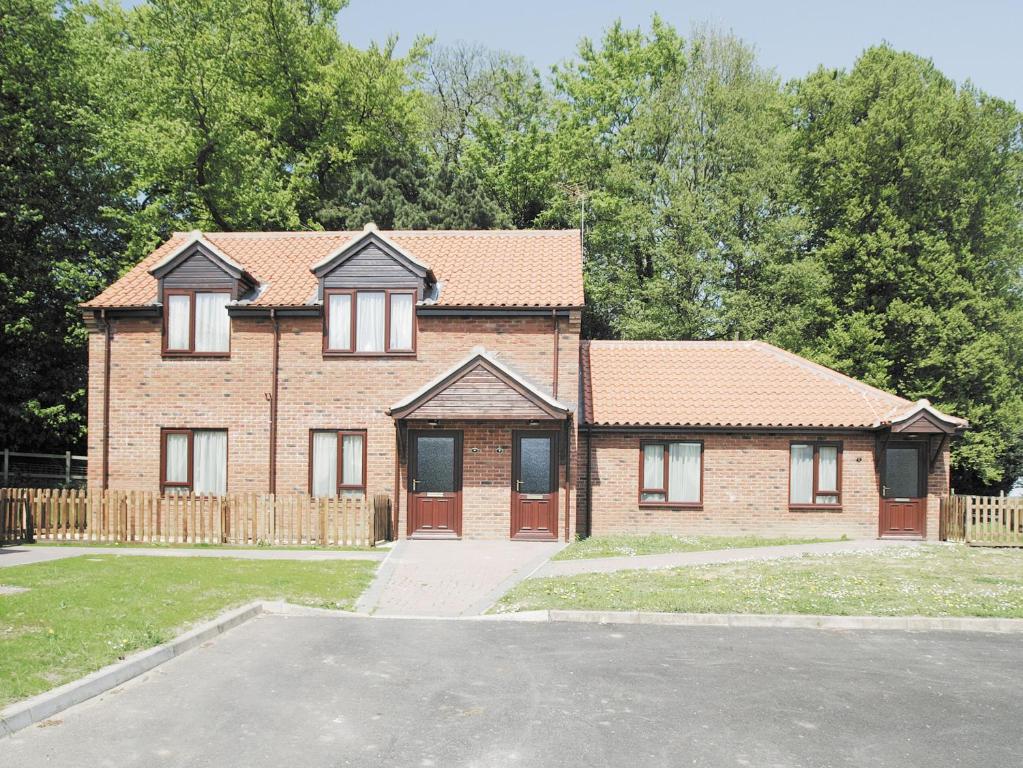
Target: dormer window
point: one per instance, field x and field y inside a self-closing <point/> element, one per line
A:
<point x="196" y="322"/>
<point x="370" y="288"/>
<point x="197" y="282"/>
<point x="369" y="322"/>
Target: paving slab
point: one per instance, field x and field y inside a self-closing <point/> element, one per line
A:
<point x="41" y="554"/>
<point x="738" y="555"/>
<point x="450" y="578"/>
<point x="309" y="691"/>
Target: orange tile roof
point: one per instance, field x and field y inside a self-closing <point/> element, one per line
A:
<point x="723" y="384"/>
<point x="491" y="268"/>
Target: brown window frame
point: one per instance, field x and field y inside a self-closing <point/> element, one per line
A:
<point x="353" y="336"/>
<point x="341" y="433"/>
<point x="190" y="431"/>
<point x="664" y="477"/>
<point x="837" y="493"/>
<point x="191" y="351"/>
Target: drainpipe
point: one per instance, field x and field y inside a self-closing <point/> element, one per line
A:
<point x="273" y="401"/>
<point x="108" y="332"/>
<point x="568" y="476"/>
<point x="589" y="480"/>
<point x="557" y="338"/>
<point x="396" y="512"/>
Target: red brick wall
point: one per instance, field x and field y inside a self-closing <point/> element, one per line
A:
<point x="149" y="392"/>
<point x="745" y="481"/>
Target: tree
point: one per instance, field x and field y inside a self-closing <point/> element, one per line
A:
<point x="227" y="114"/>
<point x="59" y="245"/>
<point x="679" y="147"/>
<point x="914" y="189"/>
<point x="427" y="183"/>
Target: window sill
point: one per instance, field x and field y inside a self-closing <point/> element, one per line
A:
<point x="815" y="507"/>
<point x="195" y="355"/>
<point x="669" y="505"/>
<point x="370" y="355"/>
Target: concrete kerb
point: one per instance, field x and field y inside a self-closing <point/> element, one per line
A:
<point x="368" y="600"/>
<point x="757" y="620"/>
<point x="45" y="705"/>
<point x="793" y="621"/>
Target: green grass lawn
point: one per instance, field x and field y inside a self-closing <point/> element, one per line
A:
<point x="659" y="543"/>
<point x="83" y="613"/>
<point x="930" y="580"/>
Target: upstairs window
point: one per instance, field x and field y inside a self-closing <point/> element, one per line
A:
<point x="815" y="474"/>
<point x="337" y="463"/>
<point x="194" y="461"/>
<point x="369" y="322"/>
<point x="196" y="322"/>
<point x="671" y="473"/>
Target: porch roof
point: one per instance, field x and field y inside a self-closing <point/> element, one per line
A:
<point x="480" y="387"/>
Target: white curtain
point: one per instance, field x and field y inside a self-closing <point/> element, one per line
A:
<point x="351" y="459"/>
<point x="801" y="474"/>
<point x="369" y="322"/>
<point x="401" y="321"/>
<point x="212" y="323"/>
<point x="324" y="463"/>
<point x="178" y="319"/>
<point x="684" y="472"/>
<point x="176" y="459"/>
<point x="653" y="466"/>
<point x="339" y="323"/>
<point x="827" y="468"/>
<point x="209" y="461"/>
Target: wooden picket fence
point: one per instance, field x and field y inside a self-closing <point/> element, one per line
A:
<point x="989" y="521"/>
<point x="239" y="519"/>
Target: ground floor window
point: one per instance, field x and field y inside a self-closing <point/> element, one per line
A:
<point x="671" y="473"/>
<point x="337" y="463"/>
<point x="193" y="461"/>
<point x="815" y="474"/>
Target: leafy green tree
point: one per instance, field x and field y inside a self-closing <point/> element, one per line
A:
<point x="427" y="183"/>
<point x="914" y="189"/>
<point x="59" y="246"/>
<point x="227" y="114"/>
<point x="678" y="147"/>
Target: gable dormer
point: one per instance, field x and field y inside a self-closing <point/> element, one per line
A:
<point x="198" y="264"/>
<point x="369" y="289"/>
<point x="196" y="284"/>
<point x="372" y="261"/>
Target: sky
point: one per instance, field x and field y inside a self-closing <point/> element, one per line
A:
<point x="978" y="40"/>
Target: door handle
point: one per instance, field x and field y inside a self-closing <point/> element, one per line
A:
<point x="884" y="491"/>
<point x="518" y="485"/>
<point x="415" y="484"/>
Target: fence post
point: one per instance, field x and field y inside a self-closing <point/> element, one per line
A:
<point x="67" y="467"/>
<point x="968" y="513"/>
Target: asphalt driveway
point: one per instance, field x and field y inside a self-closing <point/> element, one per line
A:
<point x="402" y="692"/>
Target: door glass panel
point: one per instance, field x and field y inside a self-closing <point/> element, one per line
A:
<point x="435" y="463"/>
<point x="902" y="472"/>
<point x="535" y="465"/>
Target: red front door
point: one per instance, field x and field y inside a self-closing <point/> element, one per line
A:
<point x="534" y="497"/>
<point x="904" y="490"/>
<point x="435" y="484"/>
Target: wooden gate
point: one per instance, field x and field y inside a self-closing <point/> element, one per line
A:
<point x="991" y="521"/>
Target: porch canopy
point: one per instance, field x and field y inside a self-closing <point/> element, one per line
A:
<point x="923" y="422"/>
<point x="480" y="387"/>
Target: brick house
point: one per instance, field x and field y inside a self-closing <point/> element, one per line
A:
<point x="446" y="370"/>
